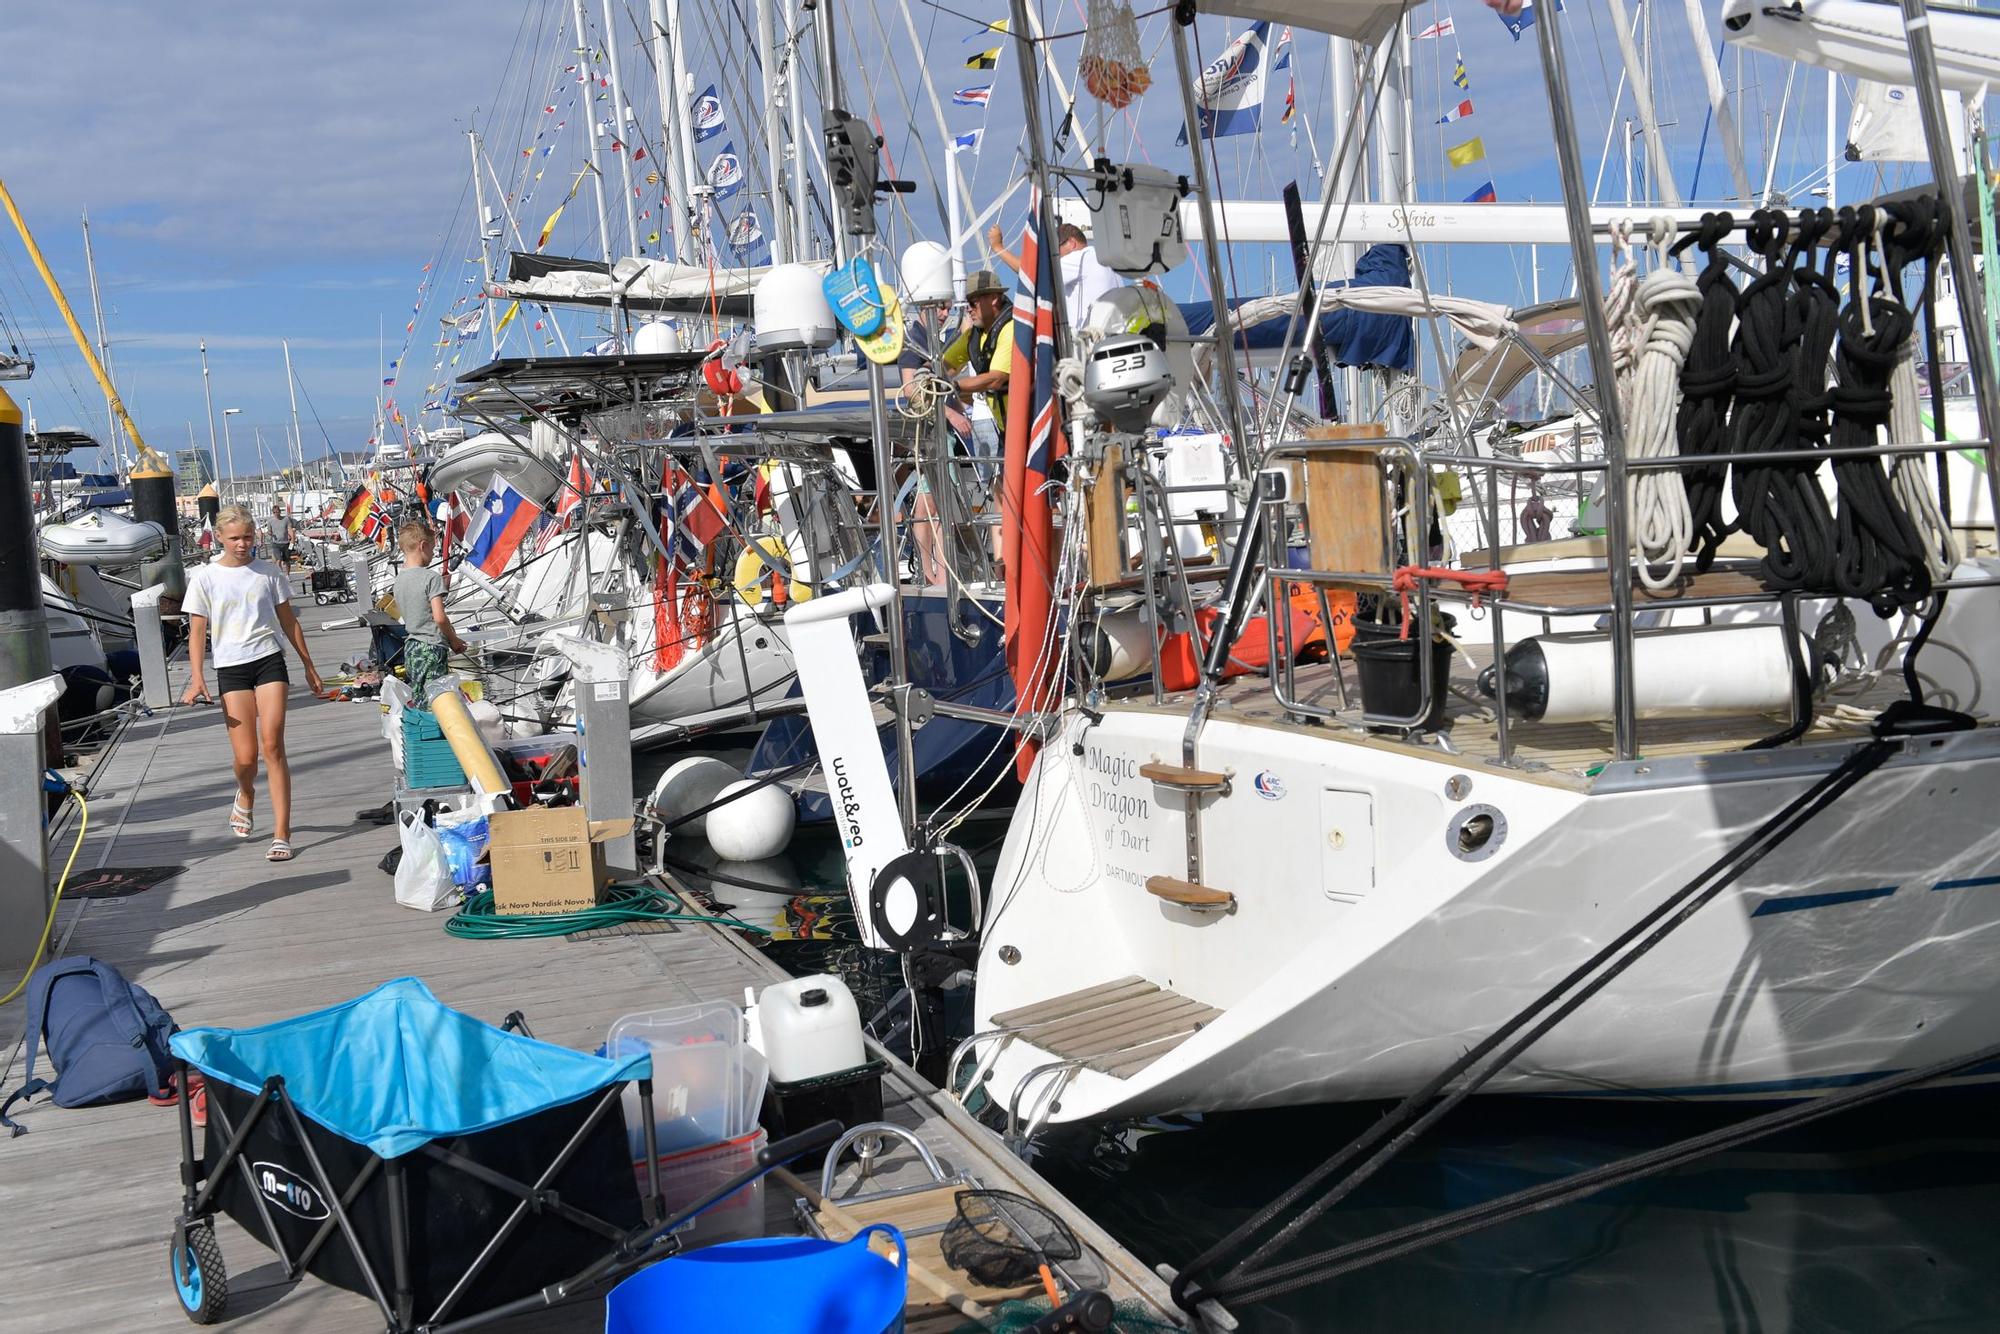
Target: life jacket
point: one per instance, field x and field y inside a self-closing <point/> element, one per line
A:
<point x="980" y="345"/>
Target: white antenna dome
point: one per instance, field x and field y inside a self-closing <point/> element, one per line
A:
<point x="791" y="312"/>
<point x="656" y="336"/>
<point x="927" y="274"/>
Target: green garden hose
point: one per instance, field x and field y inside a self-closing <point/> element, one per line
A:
<point x="622" y="904"/>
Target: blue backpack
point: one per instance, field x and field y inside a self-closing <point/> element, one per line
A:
<point x="107" y="1038"/>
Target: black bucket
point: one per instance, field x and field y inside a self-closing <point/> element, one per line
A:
<point x="1390" y="674"/>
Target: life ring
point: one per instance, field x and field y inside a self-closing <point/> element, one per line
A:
<point x="754" y="571"/>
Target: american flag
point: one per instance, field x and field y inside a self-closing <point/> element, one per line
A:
<point x="1035" y="444"/>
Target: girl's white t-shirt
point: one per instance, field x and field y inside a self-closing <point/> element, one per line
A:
<point x="241" y="603"/>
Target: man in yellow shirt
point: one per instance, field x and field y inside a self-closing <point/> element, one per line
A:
<point x="984" y="349"/>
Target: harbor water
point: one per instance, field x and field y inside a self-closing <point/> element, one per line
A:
<point x="1878" y="1219"/>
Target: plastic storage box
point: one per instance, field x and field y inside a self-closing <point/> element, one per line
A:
<point x="697" y="1075"/>
<point x="687" y="1178"/>
<point x="427" y="757"/>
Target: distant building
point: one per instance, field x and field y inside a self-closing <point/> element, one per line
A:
<point x="193" y="469"/>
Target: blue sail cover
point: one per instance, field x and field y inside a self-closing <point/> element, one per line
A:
<point x="396" y="1068"/>
<point x="1351" y="337"/>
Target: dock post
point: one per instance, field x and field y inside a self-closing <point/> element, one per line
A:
<point x="24" y="860"/>
<point x="151" y="639"/>
<point x="24" y="626"/>
<point x="604" y="739"/>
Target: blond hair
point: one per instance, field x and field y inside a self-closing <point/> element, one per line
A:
<point x="229" y="514"/>
<point x="413" y="534"/>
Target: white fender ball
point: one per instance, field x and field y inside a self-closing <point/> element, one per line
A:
<point x="754" y="825"/>
<point x="689" y="785"/>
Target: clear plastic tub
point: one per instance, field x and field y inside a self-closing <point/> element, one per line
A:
<point x="687" y="1177"/>
<point x="697" y="1074"/>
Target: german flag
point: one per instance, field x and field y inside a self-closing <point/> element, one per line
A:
<point x="356" y="510"/>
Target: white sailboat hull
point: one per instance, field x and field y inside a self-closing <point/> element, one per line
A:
<point x="1363" y="955"/>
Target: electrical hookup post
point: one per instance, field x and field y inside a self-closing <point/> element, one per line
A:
<point x="28" y="689"/>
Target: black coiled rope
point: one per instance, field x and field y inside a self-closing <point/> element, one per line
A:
<point x="1881" y="554"/>
<point x="1708" y="385"/>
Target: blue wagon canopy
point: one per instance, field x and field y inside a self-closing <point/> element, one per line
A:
<point x="397" y="1068"/>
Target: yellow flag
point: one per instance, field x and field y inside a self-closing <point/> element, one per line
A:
<point x="1467" y="153"/>
<point x="549" y="227"/>
<point x="508" y="318"/>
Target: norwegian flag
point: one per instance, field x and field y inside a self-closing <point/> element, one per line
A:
<point x="693" y="519"/>
<point x="1035" y="444"/>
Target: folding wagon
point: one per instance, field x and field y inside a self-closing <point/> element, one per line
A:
<point x="454" y="1172"/>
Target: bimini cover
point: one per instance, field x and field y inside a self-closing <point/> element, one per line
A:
<point x="1351" y="337"/>
<point x="1358" y="20"/>
<point x="396" y="1068"/>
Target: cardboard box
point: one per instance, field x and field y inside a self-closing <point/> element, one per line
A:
<point x="549" y="860"/>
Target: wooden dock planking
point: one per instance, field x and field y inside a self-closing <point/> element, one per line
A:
<point x="88" y="1196"/>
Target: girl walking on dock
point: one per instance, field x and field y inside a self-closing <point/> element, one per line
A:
<point x="240" y="612"/>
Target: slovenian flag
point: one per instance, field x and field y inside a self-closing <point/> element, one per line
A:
<point x="506" y="518"/>
<point x="972" y="97"/>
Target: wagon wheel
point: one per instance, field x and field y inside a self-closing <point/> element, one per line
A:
<point x="201" y="1281"/>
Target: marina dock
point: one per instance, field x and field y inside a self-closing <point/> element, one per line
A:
<point x="88" y="1196"/>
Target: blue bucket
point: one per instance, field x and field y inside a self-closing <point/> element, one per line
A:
<point x="771" y="1285"/>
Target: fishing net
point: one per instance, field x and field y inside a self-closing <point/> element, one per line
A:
<point x="1113" y="66"/>
<point x="1002" y="1239"/>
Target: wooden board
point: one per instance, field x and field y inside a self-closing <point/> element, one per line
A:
<point x="1346" y="524"/>
<point x="1104" y="519"/>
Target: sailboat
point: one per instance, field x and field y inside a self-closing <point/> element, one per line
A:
<point x="1329" y="880"/>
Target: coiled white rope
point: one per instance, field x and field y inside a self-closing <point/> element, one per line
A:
<point x="1910" y="479"/>
<point x="924" y="394"/>
<point x="1622" y="312"/>
<point x="1662" y="524"/>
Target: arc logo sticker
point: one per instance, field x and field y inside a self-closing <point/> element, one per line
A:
<point x="1269" y="786"/>
<point x="289" y="1191"/>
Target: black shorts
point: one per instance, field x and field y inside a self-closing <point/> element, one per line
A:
<point x="281" y="552"/>
<point x="250" y="675"/>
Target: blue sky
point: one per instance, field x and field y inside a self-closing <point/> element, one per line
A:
<point x="261" y="172"/>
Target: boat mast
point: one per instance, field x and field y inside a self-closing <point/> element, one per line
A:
<point x="298" y="437"/>
<point x="618" y="131"/>
<point x="795" y="112"/>
<point x="774" y="145"/>
<point x="672" y="112"/>
<point x="1718" y="100"/>
<point x="1659" y="173"/>
<point x="696" y="185"/>
<point x="485" y="254"/>
<point x="118" y="451"/>
<point x="590" y="130"/>
<point x="208" y="402"/>
<point x="885" y="485"/>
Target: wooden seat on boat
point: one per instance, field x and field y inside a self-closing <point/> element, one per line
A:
<point x="1115" y="1028"/>
<point x="1185" y="777"/>
<point x="1189" y="895"/>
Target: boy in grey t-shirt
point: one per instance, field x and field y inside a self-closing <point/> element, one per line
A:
<point x="420" y="598"/>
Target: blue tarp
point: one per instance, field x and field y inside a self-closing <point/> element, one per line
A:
<point x="105" y="500"/>
<point x="1351" y="337"/>
<point x="396" y="1068"/>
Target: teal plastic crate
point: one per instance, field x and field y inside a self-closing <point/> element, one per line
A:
<point x="427" y="757"/>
